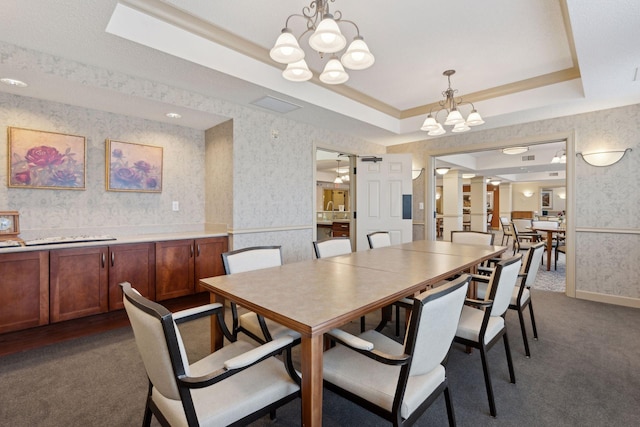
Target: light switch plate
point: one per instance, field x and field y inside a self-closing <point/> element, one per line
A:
<point x="175" y="206"/>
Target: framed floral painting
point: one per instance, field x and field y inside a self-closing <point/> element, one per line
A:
<point x="133" y="167"/>
<point x="40" y="159"/>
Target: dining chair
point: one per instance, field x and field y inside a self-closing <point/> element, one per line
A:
<point x="232" y="386"/>
<point x="472" y="237"/>
<point x="334" y="247"/>
<point x="398" y="382"/>
<point x="559" y="249"/>
<point x="466" y="221"/>
<point x="482" y="321"/>
<point x="506" y="230"/>
<point x="521" y="296"/>
<point x="250" y="323"/>
<point x="522" y="239"/>
<point x="381" y="239"/>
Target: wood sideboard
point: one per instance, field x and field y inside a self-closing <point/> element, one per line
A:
<point x="43" y="287"/>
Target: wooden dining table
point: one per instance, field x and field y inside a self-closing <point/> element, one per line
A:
<point x="549" y="240"/>
<point x="312" y="297"/>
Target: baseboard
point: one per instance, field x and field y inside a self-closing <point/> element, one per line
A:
<point x="609" y="299"/>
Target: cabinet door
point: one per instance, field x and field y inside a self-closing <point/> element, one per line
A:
<point x="209" y="259"/>
<point x="135" y="264"/>
<point x="78" y="282"/>
<point x="24" y="290"/>
<point x="174" y="269"/>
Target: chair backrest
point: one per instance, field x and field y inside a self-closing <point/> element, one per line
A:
<point x="521" y="224"/>
<point x="472" y="237"/>
<point x="379" y="239"/>
<point x="545" y="224"/>
<point x="252" y="258"/>
<point x="531" y="263"/>
<point x="506" y="225"/>
<point x="158" y="340"/>
<point x="501" y="284"/>
<point x="433" y="324"/>
<point x="332" y="247"/>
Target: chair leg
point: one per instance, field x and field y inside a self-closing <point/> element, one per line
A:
<point x="524" y="332"/>
<point x="146" y="421"/>
<point x="397" y="321"/>
<point x="362" y="326"/>
<point x="487" y="381"/>
<point x="533" y="321"/>
<point x="507" y="350"/>
<point x="450" y="412"/>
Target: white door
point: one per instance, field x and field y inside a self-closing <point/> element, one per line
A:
<point x="384" y="198"/>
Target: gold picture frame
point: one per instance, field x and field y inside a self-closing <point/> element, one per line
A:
<point x="133" y="167"/>
<point x="45" y="160"/>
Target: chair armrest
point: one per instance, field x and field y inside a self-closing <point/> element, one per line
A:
<point x="259" y="353"/>
<point x="480" y="278"/>
<point x="362" y="347"/>
<point x="485" y="270"/>
<point x="478" y="303"/>
<point x="196" y="312"/>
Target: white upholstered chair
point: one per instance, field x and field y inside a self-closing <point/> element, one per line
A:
<point x="395" y="381"/>
<point x="332" y="247"/>
<point x="250" y="323"/>
<point x="232" y="386"/>
<point x="521" y="296"/>
<point x="482" y="321"/>
<point x="506" y="230"/>
<point x="472" y="237"/>
<point x="381" y="239"/>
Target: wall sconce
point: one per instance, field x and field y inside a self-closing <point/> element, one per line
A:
<point x="562" y="196"/>
<point x="603" y="158"/>
<point x="415" y="173"/>
<point x="468" y="175"/>
<point x="438" y="196"/>
<point x="442" y="170"/>
<point x="494" y="182"/>
<point x="527" y="194"/>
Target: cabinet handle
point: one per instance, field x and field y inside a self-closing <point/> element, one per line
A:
<point x="102" y="260"/>
<point x="198" y="250"/>
<point x="191" y="247"/>
<point x="113" y="258"/>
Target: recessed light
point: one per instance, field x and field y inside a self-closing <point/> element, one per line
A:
<point x="174" y="116"/>
<point x="13" y="82"/>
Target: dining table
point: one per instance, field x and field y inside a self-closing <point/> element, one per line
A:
<point x="549" y="240"/>
<point x="314" y="296"/>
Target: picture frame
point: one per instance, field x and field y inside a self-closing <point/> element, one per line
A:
<point x="133" y="167"/>
<point x="45" y="160"/>
<point x="546" y="199"/>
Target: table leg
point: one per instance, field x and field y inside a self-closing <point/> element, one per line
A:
<point x="549" y="248"/>
<point x="311" y="361"/>
<point x="217" y="337"/>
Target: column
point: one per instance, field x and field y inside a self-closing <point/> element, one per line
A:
<point x="451" y="203"/>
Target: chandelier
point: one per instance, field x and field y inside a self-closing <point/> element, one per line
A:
<point x="454" y="118"/>
<point x="560" y="157"/>
<point x="325" y="39"/>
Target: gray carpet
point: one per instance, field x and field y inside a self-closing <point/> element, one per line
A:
<point x="584" y="371"/>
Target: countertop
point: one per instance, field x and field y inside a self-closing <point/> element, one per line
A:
<point x="142" y="238"/>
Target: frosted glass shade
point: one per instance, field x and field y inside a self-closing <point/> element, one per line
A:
<point x="454" y="118"/>
<point x="286" y="50"/>
<point x="297" y="72"/>
<point x="439" y="131"/>
<point x="327" y="37"/>
<point x="474" y="119"/>
<point x="430" y="124"/>
<point x="334" y="73"/>
<point x="460" y="127"/>
<point x="357" y="56"/>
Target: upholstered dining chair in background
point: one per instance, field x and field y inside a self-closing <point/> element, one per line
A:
<point x="381" y="239"/>
<point x="506" y="230"/>
<point x="521" y="296"/>
<point x="472" y="237"/>
<point x="395" y="381"/>
<point x="334" y="247"/>
<point x="235" y="385"/>
<point x="482" y="321"/>
<point x="250" y="323"/>
<point x="522" y="239"/>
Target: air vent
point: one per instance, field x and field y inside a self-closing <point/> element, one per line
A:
<point x="275" y="104"/>
<point x="528" y="158"/>
<point x="554" y="174"/>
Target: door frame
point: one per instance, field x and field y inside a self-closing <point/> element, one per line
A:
<point x="570" y="145"/>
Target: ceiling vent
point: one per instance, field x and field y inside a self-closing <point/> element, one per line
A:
<point x="275" y="104"/>
<point x="554" y="174"/>
<point x="528" y="158"/>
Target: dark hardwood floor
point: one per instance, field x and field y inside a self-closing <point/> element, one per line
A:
<point x="14" y="342"/>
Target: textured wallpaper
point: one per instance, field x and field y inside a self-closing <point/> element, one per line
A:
<point x="45" y="212"/>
